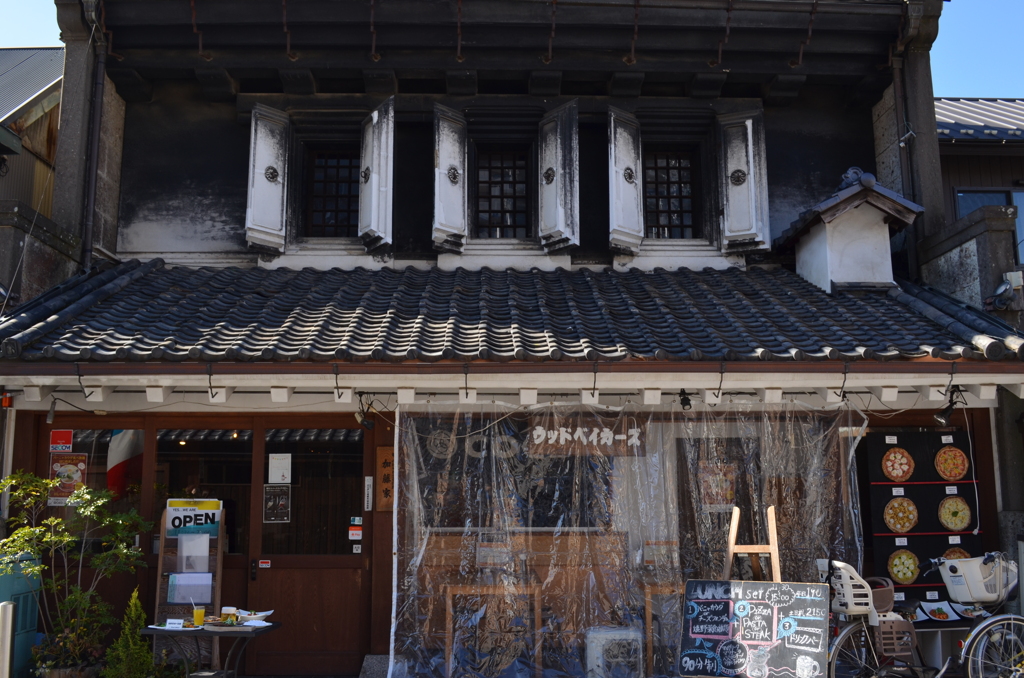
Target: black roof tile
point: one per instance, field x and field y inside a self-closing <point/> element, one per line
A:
<point x="144" y="311"/>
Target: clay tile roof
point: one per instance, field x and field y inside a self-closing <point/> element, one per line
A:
<point x="145" y="311"/>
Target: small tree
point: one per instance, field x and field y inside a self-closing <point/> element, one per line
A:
<point x="60" y="551"/>
<point x="130" y="656"/>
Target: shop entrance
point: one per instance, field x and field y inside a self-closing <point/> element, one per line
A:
<point x="309" y="560"/>
<point x="306" y="528"/>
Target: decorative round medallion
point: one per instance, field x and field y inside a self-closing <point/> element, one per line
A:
<point x="549" y="175"/>
<point x="365" y="174"/>
<point x="441" y="444"/>
<point x="271" y="173"/>
<point x="453" y="174"/>
<point x="738" y="177"/>
<point x="629" y="175"/>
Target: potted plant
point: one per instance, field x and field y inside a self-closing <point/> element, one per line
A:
<point x="72" y="549"/>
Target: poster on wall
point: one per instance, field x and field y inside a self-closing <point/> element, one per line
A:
<point x="718" y="486"/>
<point x="66" y="467"/>
<point x="279" y="468"/>
<point x="277" y="503"/>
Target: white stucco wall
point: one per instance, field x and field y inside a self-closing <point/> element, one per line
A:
<point x="858" y="245"/>
<point x="812" y="258"/>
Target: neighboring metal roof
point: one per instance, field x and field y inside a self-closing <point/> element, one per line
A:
<point x="25" y="72"/>
<point x="137" y="312"/>
<point x="980" y="119"/>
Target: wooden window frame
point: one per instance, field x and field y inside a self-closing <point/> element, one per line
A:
<point x="698" y="222"/>
<point x="309" y="156"/>
<point x="530" y="147"/>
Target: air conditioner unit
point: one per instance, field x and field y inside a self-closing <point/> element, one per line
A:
<point x="615" y="652"/>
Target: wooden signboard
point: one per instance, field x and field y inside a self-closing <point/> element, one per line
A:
<point x="385" y="478"/>
<point x="755" y="629"/>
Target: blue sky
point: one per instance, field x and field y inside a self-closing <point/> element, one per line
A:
<point x="978" y="53"/>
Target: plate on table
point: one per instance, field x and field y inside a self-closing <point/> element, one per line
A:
<point x="183" y="628"/>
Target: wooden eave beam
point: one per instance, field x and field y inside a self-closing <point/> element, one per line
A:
<point x="919" y="366"/>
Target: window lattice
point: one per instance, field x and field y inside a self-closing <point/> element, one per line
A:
<point x="503" y="205"/>
<point x="668" y="195"/>
<point x="333" y="203"/>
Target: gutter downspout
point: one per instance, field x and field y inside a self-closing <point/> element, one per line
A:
<point x="99" y="72"/>
<point x="906" y="178"/>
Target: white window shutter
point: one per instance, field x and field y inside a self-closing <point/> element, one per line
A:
<point x="742" y="181"/>
<point x="559" y="193"/>
<point x="625" y="172"/>
<point x="450" y="180"/>
<point x="376" y="177"/>
<point x="266" y="209"/>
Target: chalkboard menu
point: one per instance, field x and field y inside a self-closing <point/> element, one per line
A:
<point x="755" y="629"/>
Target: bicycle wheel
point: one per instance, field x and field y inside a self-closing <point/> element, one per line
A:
<point x="853" y="654"/>
<point x="996" y="649"/>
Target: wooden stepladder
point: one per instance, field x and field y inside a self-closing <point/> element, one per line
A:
<point x="753" y="550"/>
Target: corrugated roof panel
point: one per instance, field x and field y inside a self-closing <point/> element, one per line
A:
<point x="25" y="72"/>
<point x="980" y="119"/>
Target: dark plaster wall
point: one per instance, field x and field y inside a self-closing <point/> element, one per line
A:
<point x="810" y="144"/>
<point x="185" y="167"/>
<point x="184" y="174"/>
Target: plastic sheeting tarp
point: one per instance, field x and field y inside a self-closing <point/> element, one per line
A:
<point x="556" y="540"/>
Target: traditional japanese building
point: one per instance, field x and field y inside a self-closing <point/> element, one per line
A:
<point x="532" y="294"/>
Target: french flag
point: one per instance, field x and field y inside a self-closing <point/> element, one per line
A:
<point x="124" y="459"/>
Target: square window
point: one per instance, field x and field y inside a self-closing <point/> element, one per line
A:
<point x="668" y="187"/>
<point x="332" y="207"/>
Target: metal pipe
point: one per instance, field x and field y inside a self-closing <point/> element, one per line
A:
<point x="7" y="629"/>
<point x="94" y="152"/>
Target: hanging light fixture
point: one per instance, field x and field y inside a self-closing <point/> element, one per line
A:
<point x="943" y="417"/>
<point x="684" y="400"/>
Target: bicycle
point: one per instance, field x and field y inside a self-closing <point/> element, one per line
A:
<point x="879" y="643"/>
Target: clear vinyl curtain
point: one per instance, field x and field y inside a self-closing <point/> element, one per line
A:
<point x="556" y="540"/>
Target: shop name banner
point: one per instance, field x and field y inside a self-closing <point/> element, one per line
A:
<point x="193" y="516"/>
<point x="755" y="629"/>
<point x="66" y="467"/>
<point x="585" y="435"/>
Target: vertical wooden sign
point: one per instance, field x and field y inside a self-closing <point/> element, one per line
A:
<point x="385" y="478"/>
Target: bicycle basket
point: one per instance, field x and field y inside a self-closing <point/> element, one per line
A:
<point x="970" y="580"/>
<point x="895" y="638"/>
<point x="853" y="594"/>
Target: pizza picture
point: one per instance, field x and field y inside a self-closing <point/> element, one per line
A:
<point x="956" y="553"/>
<point x="904" y="567"/>
<point x="900" y="514"/>
<point x="897" y="465"/>
<point x="954" y="514"/>
<point x="951" y="463"/>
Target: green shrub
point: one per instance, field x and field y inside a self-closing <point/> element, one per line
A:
<point x="130" y="656"/>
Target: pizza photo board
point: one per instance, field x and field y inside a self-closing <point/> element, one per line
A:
<point x="922" y="504"/>
<point x="754" y="629"/>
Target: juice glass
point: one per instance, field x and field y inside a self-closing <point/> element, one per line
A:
<point x="198" y="615"/>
